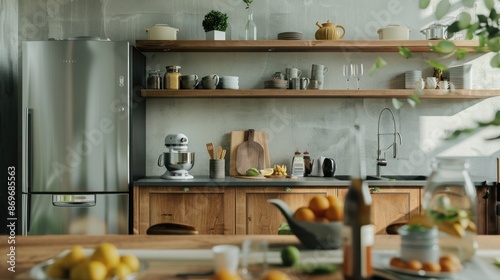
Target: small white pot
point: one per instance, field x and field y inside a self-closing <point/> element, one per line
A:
<point x="216" y="35"/>
<point x="162" y="32"/>
<point x="394" y="32"/>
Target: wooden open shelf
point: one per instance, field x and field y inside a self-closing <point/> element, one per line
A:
<point x="286" y="93"/>
<point x="293" y="45"/>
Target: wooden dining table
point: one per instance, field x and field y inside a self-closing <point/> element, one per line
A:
<point x="33" y="250"/>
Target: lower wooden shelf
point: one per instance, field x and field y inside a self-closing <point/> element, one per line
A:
<point x="286" y="93"/>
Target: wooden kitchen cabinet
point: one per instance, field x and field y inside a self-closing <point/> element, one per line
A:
<point x="254" y="215"/>
<point x="209" y="209"/>
<point x="391" y="205"/>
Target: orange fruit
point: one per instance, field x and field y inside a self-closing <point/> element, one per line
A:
<point x="334" y="214"/>
<point x="304" y="214"/>
<point x="276" y="275"/>
<point x="319" y="204"/>
<point x="225" y="274"/>
<point x="334" y="201"/>
<point x="322" y="219"/>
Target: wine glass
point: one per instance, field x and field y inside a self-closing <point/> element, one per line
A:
<point x="358" y="71"/>
<point x="348" y="72"/>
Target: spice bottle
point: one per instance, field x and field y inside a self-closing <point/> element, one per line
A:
<point x="450" y="200"/>
<point x="172" y="77"/>
<point x="358" y="232"/>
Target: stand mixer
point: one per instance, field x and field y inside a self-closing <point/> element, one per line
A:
<point x="177" y="161"/>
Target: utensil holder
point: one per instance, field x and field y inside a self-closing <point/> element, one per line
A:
<point x="217" y="168"/>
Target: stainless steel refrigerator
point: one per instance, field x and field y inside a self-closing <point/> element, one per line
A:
<point x="83" y="135"/>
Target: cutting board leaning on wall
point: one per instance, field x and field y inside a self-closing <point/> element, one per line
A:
<point x="237" y="138"/>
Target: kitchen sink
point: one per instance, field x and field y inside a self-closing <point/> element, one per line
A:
<point x="405" y="177"/>
<point x="348" y="177"/>
<point x="385" y="177"/>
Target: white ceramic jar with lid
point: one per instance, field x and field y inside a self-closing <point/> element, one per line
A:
<point x="162" y="32"/>
<point x="394" y="32"/>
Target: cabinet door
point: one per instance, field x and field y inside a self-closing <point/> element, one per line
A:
<point x="209" y="210"/>
<point x="391" y="205"/>
<point x="254" y="215"/>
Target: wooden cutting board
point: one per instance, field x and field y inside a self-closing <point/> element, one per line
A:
<point x="249" y="154"/>
<point x="237" y="137"/>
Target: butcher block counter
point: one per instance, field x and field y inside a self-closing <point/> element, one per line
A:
<point x="33" y="250"/>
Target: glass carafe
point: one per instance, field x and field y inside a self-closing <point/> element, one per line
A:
<point x="450" y="199"/>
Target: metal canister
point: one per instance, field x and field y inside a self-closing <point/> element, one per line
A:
<point x="172" y="77"/>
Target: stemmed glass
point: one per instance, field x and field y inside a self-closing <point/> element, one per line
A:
<point x="358" y="71"/>
<point x="348" y="69"/>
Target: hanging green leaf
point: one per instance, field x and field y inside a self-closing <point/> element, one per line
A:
<point x="461" y="53"/>
<point x="495" y="61"/>
<point x="471" y="30"/>
<point x="493" y="15"/>
<point x="436" y="65"/>
<point x="404" y="51"/>
<point x="494" y="44"/>
<point x="442" y="9"/>
<point x="379" y="63"/>
<point x="464" y="20"/>
<point x="424" y="4"/>
<point x="482" y="18"/>
<point x="490" y="4"/>
<point x="414" y="100"/>
<point x="446" y="46"/>
<point x="468" y="3"/>
<point x="397" y="104"/>
<point x="454" y="27"/>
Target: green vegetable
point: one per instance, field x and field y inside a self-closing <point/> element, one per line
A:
<point x="290" y="255"/>
<point x="497" y="262"/>
<point x="253" y="172"/>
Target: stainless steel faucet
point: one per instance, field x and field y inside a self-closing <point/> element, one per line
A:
<point x="381" y="161"/>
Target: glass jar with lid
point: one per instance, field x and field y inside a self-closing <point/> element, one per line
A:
<point x="154" y="79"/>
<point x="450" y="200"/>
<point x="172" y="77"/>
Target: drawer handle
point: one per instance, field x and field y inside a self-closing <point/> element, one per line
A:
<point x="288" y="189"/>
<point x="186" y="189"/>
<point x="374" y="190"/>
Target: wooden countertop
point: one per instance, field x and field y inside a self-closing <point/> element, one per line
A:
<point x="32" y="250"/>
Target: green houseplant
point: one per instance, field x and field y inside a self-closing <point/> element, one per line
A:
<point x="215" y="25"/>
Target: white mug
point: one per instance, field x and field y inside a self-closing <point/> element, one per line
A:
<point x="431" y="83"/>
<point x="443" y="85"/>
<point x="420" y="84"/>
<point x="292" y="73"/>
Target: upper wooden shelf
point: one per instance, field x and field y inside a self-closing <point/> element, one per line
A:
<point x="293" y="45"/>
<point x="284" y="93"/>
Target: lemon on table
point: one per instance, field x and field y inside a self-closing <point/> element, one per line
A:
<point x="120" y="272"/>
<point x="290" y="255"/>
<point x="73" y="257"/>
<point x="107" y="254"/>
<point x="89" y="270"/>
<point x="131" y="261"/>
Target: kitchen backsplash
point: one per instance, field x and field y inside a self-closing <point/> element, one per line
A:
<point x="316" y="125"/>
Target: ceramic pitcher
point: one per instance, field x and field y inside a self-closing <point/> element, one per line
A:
<point x="329" y="31"/>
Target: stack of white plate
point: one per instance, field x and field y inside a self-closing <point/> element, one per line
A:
<point x="461" y="76"/>
<point x="290" y="36"/>
<point x="412" y="77"/>
<point x="276" y="84"/>
<point x="229" y="82"/>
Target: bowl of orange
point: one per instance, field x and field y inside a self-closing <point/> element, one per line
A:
<point x="318" y="225"/>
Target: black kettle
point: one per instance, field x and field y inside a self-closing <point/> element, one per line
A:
<point x="328" y="167"/>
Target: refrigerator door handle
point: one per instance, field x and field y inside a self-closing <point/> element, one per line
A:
<point x="74" y="200"/>
<point x="29" y="149"/>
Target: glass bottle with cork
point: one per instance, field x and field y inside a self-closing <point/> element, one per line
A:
<point x="358" y="232"/>
<point x="172" y="77"/>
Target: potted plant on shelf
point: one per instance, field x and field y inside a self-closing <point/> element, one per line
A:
<point x="215" y="24"/>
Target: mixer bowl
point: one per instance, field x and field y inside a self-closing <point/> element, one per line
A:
<point x="177" y="161"/>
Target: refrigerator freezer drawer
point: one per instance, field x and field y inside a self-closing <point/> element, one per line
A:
<point x="88" y="214"/>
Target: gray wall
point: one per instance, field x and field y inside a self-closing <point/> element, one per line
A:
<point x="318" y="125"/>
